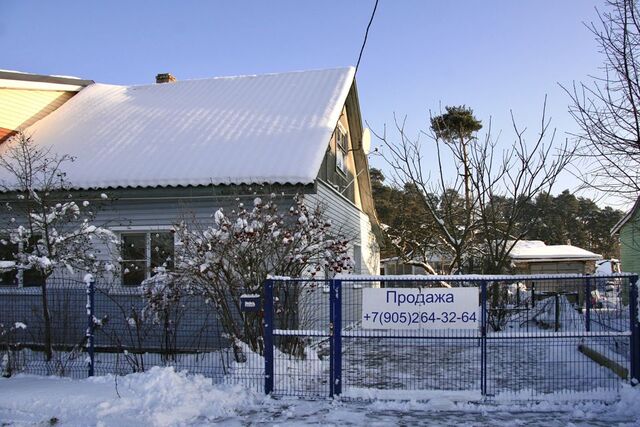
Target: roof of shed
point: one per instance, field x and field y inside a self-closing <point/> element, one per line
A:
<point x="536" y="250"/>
<point x="271" y="128"/>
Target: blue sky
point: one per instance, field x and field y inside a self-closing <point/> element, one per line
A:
<point x="493" y="56"/>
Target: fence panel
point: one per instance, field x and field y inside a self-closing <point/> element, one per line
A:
<point x="128" y="337"/>
<point x="558" y="335"/>
<point x="401" y="362"/>
<point x="301" y="338"/>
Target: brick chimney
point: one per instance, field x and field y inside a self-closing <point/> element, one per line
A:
<point x="165" y="78"/>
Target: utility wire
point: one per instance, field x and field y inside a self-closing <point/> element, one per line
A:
<point x="366" y="34"/>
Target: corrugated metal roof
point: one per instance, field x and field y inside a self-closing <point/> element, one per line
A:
<point x="232" y="130"/>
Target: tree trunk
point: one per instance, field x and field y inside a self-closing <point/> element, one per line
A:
<point x="48" y="351"/>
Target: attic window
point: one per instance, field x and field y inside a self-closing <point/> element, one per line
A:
<point x="341" y="149"/>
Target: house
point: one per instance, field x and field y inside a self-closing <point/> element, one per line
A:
<point x="628" y="230"/>
<point x="535" y="257"/>
<point x="161" y="149"/>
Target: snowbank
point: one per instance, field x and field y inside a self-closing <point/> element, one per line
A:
<point x="159" y="397"/>
<point x="163" y="397"/>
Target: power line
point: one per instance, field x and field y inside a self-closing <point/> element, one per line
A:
<point x="366" y="34"/>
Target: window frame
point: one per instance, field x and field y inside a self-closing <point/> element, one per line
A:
<point x="19" y="274"/>
<point x="342" y="149"/>
<point x="147" y="250"/>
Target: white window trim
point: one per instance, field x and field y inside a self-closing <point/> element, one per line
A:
<point x="141" y="228"/>
<point x="341" y="151"/>
<point x="124" y="230"/>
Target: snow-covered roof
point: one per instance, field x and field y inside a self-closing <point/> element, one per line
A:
<point x="536" y="250"/>
<point x="271" y="128"/>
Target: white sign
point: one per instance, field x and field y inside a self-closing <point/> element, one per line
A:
<point x="420" y="308"/>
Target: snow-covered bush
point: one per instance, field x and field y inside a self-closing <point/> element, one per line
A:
<point x="162" y="294"/>
<point x="236" y="253"/>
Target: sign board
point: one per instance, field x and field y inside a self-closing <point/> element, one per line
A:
<point x="250" y="302"/>
<point x="420" y="308"/>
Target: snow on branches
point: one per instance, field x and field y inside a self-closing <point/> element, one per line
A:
<point x="240" y="249"/>
<point x="246" y="245"/>
<point x="45" y="227"/>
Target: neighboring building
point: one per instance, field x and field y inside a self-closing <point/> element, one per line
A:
<point x="535" y="257"/>
<point x="163" y="150"/>
<point x="628" y="230"/>
<point x="26" y="98"/>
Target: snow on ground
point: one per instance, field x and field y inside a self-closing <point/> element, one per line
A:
<point x="163" y="397"/>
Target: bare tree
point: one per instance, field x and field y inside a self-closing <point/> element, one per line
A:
<point x="607" y="109"/>
<point x="497" y="186"/>
<point x="43" y="226"/>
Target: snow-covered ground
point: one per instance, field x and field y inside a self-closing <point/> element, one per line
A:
<point x="163" y="397"/>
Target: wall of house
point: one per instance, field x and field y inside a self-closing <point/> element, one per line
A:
<point x="20" y="108"/>
<point x="630" y="246"/>
<point x="350" y="222"/>
<point x="159" y="209"/>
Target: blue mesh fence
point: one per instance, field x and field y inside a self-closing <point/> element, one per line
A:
<point x="127" y="336"/>
<point x="525" y="337"/>
<point x="530" y="336"/>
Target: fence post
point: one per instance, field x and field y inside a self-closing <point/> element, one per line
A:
<point x="635" y="330"/>
<point x="335" y="301"/>
<point x="90" y="283"/>
<point x="268" y="336"/>
<point x="533" y="294"/>
<point x="587" y="304"/>
<point x="483" y="333"/>
<point x="556" y="300"/>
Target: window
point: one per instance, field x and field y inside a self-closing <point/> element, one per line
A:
<point x="341" y="149"/>
<point x="143" y="252"/>
<point x="8" y="252"/>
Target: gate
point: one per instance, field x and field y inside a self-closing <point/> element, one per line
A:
<point x="524" y="336"/>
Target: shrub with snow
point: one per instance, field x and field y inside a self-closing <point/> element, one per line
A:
<point x="236" y="253"/>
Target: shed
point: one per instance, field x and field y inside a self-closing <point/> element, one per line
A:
<point x="535" y="257"/>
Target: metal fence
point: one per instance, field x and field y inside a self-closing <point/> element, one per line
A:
<point x="529" y="336"/>
<point x="99" y="329"/>
<point x="522" y="336"/>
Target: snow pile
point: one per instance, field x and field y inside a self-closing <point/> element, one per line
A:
<point x="165" y="398"/>
<point x="159" y="397"/>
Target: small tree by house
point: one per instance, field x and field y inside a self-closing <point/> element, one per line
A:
<point x="43" y="227"/>
<point x="243" y="247"/>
